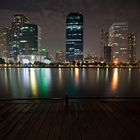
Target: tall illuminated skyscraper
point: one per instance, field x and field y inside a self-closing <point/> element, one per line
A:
<point x="118" y="40"/>
<point x="23" y="37"/>
<point x="74" y="37"/>
<point x="132" y="47"/>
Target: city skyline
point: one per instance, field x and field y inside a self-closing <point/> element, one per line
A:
<point x="51" y="18"/>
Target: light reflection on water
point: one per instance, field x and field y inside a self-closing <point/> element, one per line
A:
<point x="106" y="75"/>
<point x="31" y="82"/>
<point x="77" y="76"/>
<point x="115" y="80"/>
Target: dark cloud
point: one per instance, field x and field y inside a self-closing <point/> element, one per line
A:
<point x="50" y="15"/>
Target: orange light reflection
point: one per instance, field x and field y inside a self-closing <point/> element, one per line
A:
<point x="76" y="76"/>
<point x="115" y="80"/>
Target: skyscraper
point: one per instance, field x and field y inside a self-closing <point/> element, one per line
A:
<point x="107" y="54"/>
<point x="23" y="37"/>
<point x="132" y="47"/>
<point x="3" y="42"/>
<point x="118" y="40"/>
<point x="74" y="37"/>
<point x="103" y="42"/>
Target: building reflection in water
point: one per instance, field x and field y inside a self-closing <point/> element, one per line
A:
<point x="45" y="81"/>
<point x="115" y="79"/>
<point x="98" y="75"/>
<point x="83" y="75"/>
<point x="33" y="82"/>
<point x="6" y="78"/>
<point x="60" y="76"/>
<point x="25" y="77"/>
<point x="106" y="75"/>
<point x="14" y="85"/>
<point x="77" y="76"/>
<point x="129" y="75"/>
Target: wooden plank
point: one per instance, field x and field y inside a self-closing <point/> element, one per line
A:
<point x="32" y="118"/>
<point x="65" y="127"/>
<point x="93" y="116"/>
<point x="34" y="135"/>
<point x="116" y="129"/>
<point x="10" y="115"/>
<point x="7" y="125"/>
<point x="8" y="108"/>
<point x="123" y="121"/>
<point x="45" y="128"/>
<point x="85" y="120"/>
<point x="74" y="123"/>
<point x="88" y="128"/>
<point x="21" y="119"/>
<point x="54" y="133"/>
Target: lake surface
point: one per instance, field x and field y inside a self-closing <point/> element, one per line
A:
<point x="56" y="82"/>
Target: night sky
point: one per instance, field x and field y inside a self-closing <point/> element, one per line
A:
<point x="50" y="15"/>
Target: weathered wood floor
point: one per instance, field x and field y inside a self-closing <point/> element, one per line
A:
<point x="85" y="120"/>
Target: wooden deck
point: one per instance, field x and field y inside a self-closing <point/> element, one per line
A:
<point x="81" y="120"/>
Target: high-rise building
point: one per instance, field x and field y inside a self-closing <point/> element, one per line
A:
<point x="118" y="40"/>
<point x="24" y="38"/>
<point x="107" y="54"/>
<point x="74" y="37"/>
<point x="132" y="47"/>
<point x="103" y="42"/>
<point x="3" y="42"/>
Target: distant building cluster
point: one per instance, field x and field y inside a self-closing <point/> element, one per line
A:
<point x="21" y="42"/>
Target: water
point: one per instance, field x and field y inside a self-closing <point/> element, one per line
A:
<point x="56" y="82"/>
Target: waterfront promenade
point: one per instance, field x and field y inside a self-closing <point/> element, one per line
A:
<point x="80" y="120"/>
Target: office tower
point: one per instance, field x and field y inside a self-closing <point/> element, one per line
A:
<point x="23" y="38"/>
<point x="28" y="39"/>
<point x="107" y="54"/>
<point x="118" y="40"/>
<point x="132" y="47"/>
<point x="3" y="42"/>
<point x="74" y="37"/>
<point x="103" y="42"/>
<point x="106" y="38"/>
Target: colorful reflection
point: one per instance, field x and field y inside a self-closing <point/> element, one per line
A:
<point x="45" y="81"/>
<point x="115" y="78"/>
<point x="33" y="82"/>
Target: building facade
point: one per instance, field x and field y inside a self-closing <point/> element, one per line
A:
<point x="74" y="37"/>
<point x="118" y="40"/>
<point x="132" y="47"/>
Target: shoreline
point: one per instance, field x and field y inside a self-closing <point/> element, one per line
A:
<point x="101" y="67"/>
